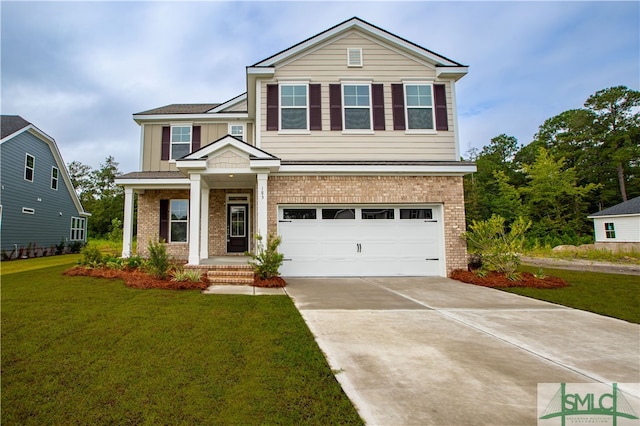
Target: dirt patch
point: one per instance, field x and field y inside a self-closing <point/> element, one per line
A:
<point x="495" y="279"/>
<point x="274" y="282"/>
<point x="137" y="279"/>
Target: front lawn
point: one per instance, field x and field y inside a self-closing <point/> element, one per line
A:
<point x="612" y="295"/>
<point x="81" y="350"/>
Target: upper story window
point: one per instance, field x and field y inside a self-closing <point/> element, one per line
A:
<point x="293" y="107"/>
<point x="54" y="178"/>
<point x="419" y="106"/>
<point x="237" y="130"/>
<point x="356" y="106"/>
<point x="180" y="141"/>
<point x="29" y="165"/>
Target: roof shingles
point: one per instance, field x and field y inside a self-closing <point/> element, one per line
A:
<point x="631" y="206"/>
<point x="180" y="109"/>
<point x="10" y="124"/>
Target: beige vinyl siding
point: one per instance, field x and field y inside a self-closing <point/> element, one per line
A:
<point x="152" y="144"/>
<point x="328" y="65"/>
<point x="240" y="107"/>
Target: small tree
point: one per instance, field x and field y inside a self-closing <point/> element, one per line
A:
<point x="267" y="261"/>
<point x="500" y="249"/>
<point x="158" y="263"/>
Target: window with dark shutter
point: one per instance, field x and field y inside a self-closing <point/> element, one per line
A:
<point x="195" y="141"/>
<point x="315" y="110"/>
<point x="441" y="107"/>
<point x="377" y="97"/>
<point x="397" y="102"/>
<point x="335" y="106"/>
<point x="166" y="142"/>
<point x="272" y="107"/>
<point x="164" y="220"/>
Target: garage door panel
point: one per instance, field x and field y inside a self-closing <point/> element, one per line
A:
<point x="362" y="247"/>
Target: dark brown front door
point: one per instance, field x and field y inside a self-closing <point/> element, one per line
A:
<point x="237" y="228"/>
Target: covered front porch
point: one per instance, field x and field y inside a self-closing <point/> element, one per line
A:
<point x="208" y="210"/>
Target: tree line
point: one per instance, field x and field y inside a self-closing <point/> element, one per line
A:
<point x="579" y="162"/>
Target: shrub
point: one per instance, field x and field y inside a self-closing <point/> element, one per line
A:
<point x="75" y="246"/>
<point x="181" y="274"/>
<point x="158" y="263"/>
<point x="91" y="256"/>
<point x="134" y="262"/>
<point x="60" y="247"/>
<point x="267" y="261"/>
<point x="500" y="250"/>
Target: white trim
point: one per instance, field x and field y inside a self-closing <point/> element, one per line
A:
<point x="230" y="103"/>
<point x="26" y="167"/>
<point x="171" y="142"/>
<point x="221" y="144"/>
<point x="451" y="170"/>
<point x="358" y="55"/>
<point x="56" y="179"/>
<point x="240" y="124"/>
<point x="454" y="107"/>
<point x="344" y="108"/>
<point x="305" y="84"/>
<point x="142" y="146"/>
<point x="406" y="108"/>
<point x="28" y="210"/>
<point x="356" y="23"/>
<point x="614" y="216"/>
<point x="195" y="117"/>
<point x="257" y="128"/>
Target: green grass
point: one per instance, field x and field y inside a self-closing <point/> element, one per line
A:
<point x="598" y="255"/>
<point x="80" y="350"/>
<point x="22" y="265"/>
<point x="612" y="295"/>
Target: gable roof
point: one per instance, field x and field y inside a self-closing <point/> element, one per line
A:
<point x="10" y="124"/>
<point x="13" y="125"/>
<point x="631" y="206"/>
<point x="355" y="22"/>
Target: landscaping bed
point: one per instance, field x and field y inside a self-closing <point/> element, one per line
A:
<point x="498" y="280"/>
<point x="137" y="279"/>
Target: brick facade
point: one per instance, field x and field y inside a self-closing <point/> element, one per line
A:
<point x="446" y="190"/>
<point x="149" y="220"/>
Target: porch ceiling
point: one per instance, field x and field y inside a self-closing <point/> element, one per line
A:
<point x="229" y="180"/>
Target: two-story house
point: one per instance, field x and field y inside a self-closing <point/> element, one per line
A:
<point x="38" y="204"/>
<point x="345" y="144"/>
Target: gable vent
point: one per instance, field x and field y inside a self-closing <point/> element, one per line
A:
<point x="354" y="57"/>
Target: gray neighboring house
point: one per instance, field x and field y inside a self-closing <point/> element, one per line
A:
<point x="38" y="204"/>
<point x="618" y="227"/>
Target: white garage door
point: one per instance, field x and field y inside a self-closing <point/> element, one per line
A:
<point x="361" y="240"/>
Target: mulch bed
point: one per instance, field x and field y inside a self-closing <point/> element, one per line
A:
<point x="274" y="282"/>
<point x="137" y="279"/>
<point x="495" y="279"/>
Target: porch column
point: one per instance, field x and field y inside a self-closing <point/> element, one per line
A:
<point x="204" y="222"/>
<point x="127" y="226"/>
<point x="194" y="219"/>
<point x="261" y="206"/>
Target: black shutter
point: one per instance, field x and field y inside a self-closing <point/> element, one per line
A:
<point x="164" y="220"/>
<point x="377" y="96"/>
<point x="315" y="110"/>
<point x="440" y="99"/>
<point x="195" y="139"/>
<point x="397" y="103"/>
<point x="335" y="106"/>
<point x="272" y="107"/>
<point x="166" y="142"/>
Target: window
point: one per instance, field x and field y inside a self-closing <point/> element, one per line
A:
<point x="29" y="165"/>
<point x="299" y="214"/>
<point x="237" y="130"/>
<point x="77" y="229"/>
<point x="377" y="213"/>
<point x="180" y="141"/>
<point x="293" y="107"/>
<point x="419" y="103"/>
<point x="54" y="178"/>
<point x="357" y="106"/>
<point x="416" y="214"/>
<point x="609" y="230"/>
<point x="338" y="213"/>
<point x="237" y="221"/>
<point x="178" y="222"/>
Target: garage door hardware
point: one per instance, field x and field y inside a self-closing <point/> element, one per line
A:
<point x="284" y="221"/>
<point x="359" y="247"/>
<point x="433" y="220"/>
<point x="435" y="258"/>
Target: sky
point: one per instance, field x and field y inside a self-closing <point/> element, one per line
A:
<point x="79" y="70"/>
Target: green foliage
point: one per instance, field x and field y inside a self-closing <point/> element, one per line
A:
<point x="267" y="261"/>
<point x="91" y="256"/>
<point x="75" y="246"/>
<point x="115" y="235"/>
<point x="60" y="247"/>
<point x="158" y="263"/>
<point x="500" y="249"/>
<point x="134" y="262"/>
<point x="182" y="274"/>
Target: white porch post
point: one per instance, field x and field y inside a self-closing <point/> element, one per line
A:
<point x="127" y="226"/>
<point x="261" y="206"/>
<point x="204" y="222"/>
<point x="194" y="219"/>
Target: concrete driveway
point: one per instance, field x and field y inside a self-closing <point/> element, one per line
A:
<point x="433" y="351"/>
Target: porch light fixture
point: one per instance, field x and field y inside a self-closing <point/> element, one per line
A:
<point x="230" y="176"/>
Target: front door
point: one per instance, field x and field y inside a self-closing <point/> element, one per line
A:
<point x="237" y="228"/>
